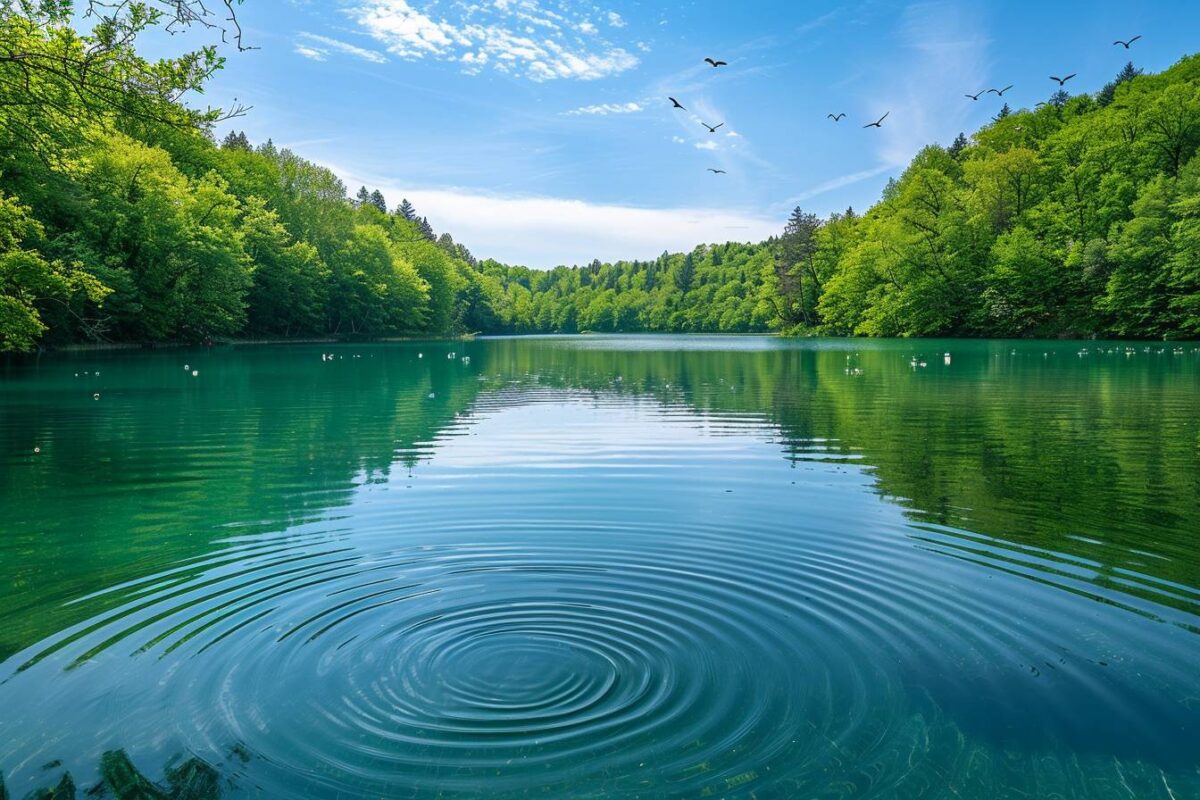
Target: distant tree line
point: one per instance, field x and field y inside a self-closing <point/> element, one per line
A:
<point x="123" y="219"/>
<point x="1078" y="218"/>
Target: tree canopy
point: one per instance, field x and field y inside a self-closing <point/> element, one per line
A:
<point x="122" y="218"/>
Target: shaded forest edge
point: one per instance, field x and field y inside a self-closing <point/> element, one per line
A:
<point x="123" y="219"/>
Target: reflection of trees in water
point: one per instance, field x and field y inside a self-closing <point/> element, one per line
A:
<point x="163" y="475"/>
<point x="1046" y="455"/>
<point x="191" y="779"/>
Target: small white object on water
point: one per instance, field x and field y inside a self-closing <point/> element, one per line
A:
<point x="96" y="396"/>
<point x="450" y="356"/>
<point x="323" y="357"/>
<point x="420" y="355"/>
<point x="186" y="367"/>
<point x="946" y="358"/>
<point x="195" y="373"/>
<point x="37" y="450"/>
<point x="432" y="395"/>
<point x="466" y="359"/>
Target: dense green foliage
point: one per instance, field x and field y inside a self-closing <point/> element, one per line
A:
<point x="123" y="219"/>
<point x="1078" y="218"/>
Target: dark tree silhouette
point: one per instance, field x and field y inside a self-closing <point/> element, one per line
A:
<point x="406" y="210"/>
<point x="957" y="147"/>
<point x="236" y="140"/>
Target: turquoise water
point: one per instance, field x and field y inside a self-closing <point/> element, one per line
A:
<point x="613" y="567"/>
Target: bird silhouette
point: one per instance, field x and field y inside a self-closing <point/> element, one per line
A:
<point x="716" y="171"/>
<point x="1001" y="91"/>
<point x="1126" y="44"/>
<point x="1062" y="81"/>
<point x="977" y="96"/>
<point x="676" y="103"/>
<point x="878" y="123"/>
<point x="835" y="117"/>
<point x="716" y="64"/>
<point x="712" y="128"/>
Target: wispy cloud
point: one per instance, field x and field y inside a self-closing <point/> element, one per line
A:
<point x="944" y="49"/>
<point x="707" y="145"/>
<point x="517" y="37"/>
<point x="314" y="53"/>
<point x="318" y="48"/>
<point x="839" y="182"/>
<point x="605" y="109"/>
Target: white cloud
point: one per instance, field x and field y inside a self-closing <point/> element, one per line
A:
<point x="615" y="20"/>
<point x="606" y="109"/>
<point x="840" y="182"/>
<point x="518" y="37"/>
<point x="707" y="145"/>
<point x="678" y="140"/>
<point x="314" y="53"/>
<point x="319" y="47"/>
<point x="545" y="231"/>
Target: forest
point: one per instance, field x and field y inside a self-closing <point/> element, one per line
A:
<point x="125" y="218"/>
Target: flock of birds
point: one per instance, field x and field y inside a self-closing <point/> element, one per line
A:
<point x="715" y="64"/>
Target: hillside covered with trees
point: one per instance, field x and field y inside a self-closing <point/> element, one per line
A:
<point x="1080" y="217"/>
<point x="123" y="219"/>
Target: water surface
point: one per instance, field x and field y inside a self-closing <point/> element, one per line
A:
<point x="612" y="567"/>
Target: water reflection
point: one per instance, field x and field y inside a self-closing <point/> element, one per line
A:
<point x="189" y="779"/>
<point x="581" y="568"/>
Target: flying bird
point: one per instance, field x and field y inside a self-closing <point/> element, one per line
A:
<point x="1062" y="81"/>
<point x="711" y="128"/>
<point x="716" y="171"/>
<point x="879" y="123"/>
<point x="835" y="117"/>
<point x="675" y="103"/>
<point x="977" y="96"/>
<point x="1126" y="44"/>
<point x="1001" y="91"/>
<point x="716" y="64"/>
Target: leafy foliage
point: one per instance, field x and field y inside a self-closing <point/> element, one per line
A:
<point x="121" y="218"/>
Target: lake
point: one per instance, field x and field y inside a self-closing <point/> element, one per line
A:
<point x="603" y="567"/>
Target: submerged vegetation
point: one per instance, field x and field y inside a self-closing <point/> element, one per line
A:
<point x="122" y="218"/>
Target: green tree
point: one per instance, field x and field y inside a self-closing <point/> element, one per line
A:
<point x="28" y="282"/>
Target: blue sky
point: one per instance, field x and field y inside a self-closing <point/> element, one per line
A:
<point x="538" y="131"/>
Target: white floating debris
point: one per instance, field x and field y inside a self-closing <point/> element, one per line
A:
<point x="96" y="396"/>
<point x="466" y="359"/>
<point x="195" y="373"/>
<point x="432" y="395"/>
<point x="420" y="355"/>
<point x="946" y="358"/>
<point x="186" y="367"/>
<point x="37" y="450"/>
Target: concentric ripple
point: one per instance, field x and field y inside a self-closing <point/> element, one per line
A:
<point x="590" y="594"/>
